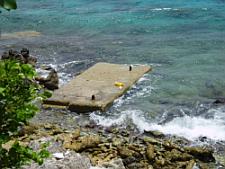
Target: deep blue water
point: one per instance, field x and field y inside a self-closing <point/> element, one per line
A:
<point x="184" y="41"/>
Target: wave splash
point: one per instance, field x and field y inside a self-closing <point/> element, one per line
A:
<point x="186" y="126"/>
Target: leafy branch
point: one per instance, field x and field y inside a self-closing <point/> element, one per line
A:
<point x="8" y="4"/>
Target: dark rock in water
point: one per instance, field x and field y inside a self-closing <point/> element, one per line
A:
<point x="31" y="60"/>
<point x="155" y="133"/>
<point x="22" y="57"/>
<point x="219" y="101"/>
<point x="203" y="139"/>
<point x="51" y="82"/>
<point x="5" y="55"/>
<point x="202" y="153"/>
<point x="28" y="59"/>
<point x="25" y="52"/>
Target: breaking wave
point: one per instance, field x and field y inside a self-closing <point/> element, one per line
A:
<point x="187" y="126"/>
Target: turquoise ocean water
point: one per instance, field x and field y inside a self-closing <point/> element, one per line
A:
<point x="184" y="42"/>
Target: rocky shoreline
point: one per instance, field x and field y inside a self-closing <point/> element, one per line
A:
<point x="78" y="144"/>
<point x="89" y="145"/>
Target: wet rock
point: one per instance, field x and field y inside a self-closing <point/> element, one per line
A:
<point x="219" y="101"/>
<point x="31" y="60"/>
<point x="220" y="158"/>
<point x="23" y="56"/>
<point x="150" y="152"/>
<point x="52" y="80"/>
<point x="5" y="55"/>
<point x="112" y="129"/>
<point x="169" y="145"/>
<point x="155" y="133"/>
<point x="151" y="140"/>
<point x="202" y="153"/>
<point x="25" y="53"/>
<point x="180" y="141"/>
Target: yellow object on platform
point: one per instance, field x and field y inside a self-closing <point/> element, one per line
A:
<point x="119" y="84"/>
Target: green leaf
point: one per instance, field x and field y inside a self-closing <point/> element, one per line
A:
<point x="28" y="70"/>
<point x="1" y="90"/>
<point x="8" y="4"/>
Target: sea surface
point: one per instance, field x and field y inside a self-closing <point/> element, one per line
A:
<point x="184" y="42"/>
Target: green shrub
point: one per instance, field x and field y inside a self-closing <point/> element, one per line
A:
<point x="18" y="92"/>
<point x="8" y="4"/>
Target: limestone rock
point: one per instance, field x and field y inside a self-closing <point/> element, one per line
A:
<point x="150" y="152"/>
<point x="76" y="133"/>
<point x="114" y="164"/>
<point x="70" y="161"/>
<point x="190" y="164"/>
<point x="151" y="140"/>
<point x="175" y="155"/>
<point x="83" y="143"/>
<point x="125" y="152"/>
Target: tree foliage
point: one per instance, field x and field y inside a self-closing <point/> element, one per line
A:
<point x="18" y="92"/>
<point x="8" y="4"/>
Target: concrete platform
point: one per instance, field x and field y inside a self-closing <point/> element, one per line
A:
<point x="97" y="87"/>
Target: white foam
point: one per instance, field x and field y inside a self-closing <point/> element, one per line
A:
<point x="74" y="62"/>
<point x="108" y="121"/>
<point x="189" y="127"/>
<point x="192" y="128"/>
<point x="164" y="9"/>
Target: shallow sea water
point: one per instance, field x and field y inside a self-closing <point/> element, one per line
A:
<point x="184" y="42"/>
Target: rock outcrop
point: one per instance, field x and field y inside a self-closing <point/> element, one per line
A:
<point x="112" y="149"/>
<point x="23" y="56"/>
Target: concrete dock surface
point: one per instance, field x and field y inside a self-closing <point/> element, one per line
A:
<point x="97" y="87"/>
